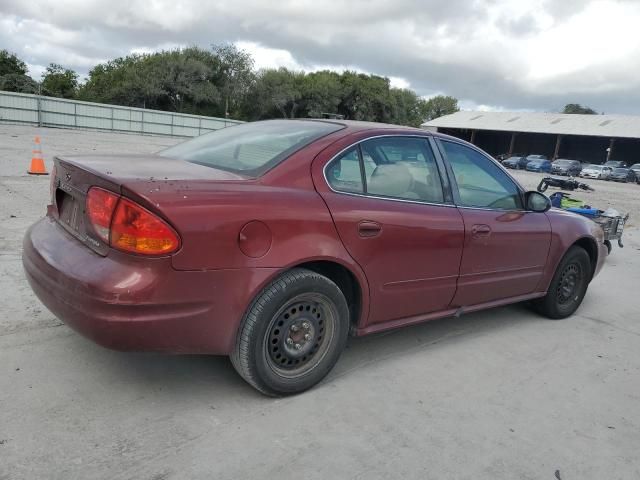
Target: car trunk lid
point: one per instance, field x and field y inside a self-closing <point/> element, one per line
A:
<point x="129" y="176"/>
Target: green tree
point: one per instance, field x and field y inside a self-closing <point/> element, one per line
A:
<point x="439" y="106"/>
<point x="365" y="97"/>
<point x="58" y="81"/>
<point x="13" y="74"/>
<point x="322" y="92"/>
<point x="222" y="81"/>
<point x="119" y="81"/>
<point x="178" y="80"/>
<point x="577" y="108"/>
<point x="234" y="77"/>
<point x="406" y="107"/>
<point x="11" y="64"/>
<point x="15" y="82"/>
<point x="278" y="93"/>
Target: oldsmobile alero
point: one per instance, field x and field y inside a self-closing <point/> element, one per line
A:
<point x="272" y="242"/>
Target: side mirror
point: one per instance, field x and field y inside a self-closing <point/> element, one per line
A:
<point x="537" y="202"/>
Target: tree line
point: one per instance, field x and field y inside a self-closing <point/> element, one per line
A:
<point x="223" y="82"/>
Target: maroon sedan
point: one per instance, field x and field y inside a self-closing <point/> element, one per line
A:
<point x="272" y="242"/>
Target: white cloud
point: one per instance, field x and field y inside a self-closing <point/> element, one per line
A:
<point x="537" y="54"/>
<point x="265" y="57"/>
<point x="399" y="82"/>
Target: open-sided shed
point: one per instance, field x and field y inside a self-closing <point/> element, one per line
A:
<point x="588" y="138"/>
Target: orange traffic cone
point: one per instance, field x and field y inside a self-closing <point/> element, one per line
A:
<point x="37" y="162"/>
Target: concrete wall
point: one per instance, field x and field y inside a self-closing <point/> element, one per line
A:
<point x="20" y="108"/>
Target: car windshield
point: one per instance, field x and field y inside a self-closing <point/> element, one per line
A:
<point x="635" y="166"/>
<point x="562" y="163"/>
<point x="253" y="148"/>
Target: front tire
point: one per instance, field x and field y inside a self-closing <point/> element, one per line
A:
<point x="292" y="334"/>
<point x="568" y="286"/>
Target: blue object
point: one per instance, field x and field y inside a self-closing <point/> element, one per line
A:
<point x="539" y="165"/>
<point x="556" y="199"/>
<point x="588" y="212"/>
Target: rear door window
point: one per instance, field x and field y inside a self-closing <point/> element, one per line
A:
<point x="391" y="167"/>
<point x="344" y="174"/>
<point x="402" y="167"/>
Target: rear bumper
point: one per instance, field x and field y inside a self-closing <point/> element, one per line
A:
<point x="125" y="302"/>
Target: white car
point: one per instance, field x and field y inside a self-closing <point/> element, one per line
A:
<point x="596" y="171"/>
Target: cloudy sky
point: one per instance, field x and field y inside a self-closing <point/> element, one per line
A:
<point x="491" y="54"/>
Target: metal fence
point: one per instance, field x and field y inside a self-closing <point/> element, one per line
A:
<point x="28" y="109"/>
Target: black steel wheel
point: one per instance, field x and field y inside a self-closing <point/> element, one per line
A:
<point x="300" y="334"/>
<point x="568" y="286"/>
<point x="292" y="334"/>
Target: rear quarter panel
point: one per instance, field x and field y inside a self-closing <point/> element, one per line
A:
<point x="210" y="216"/>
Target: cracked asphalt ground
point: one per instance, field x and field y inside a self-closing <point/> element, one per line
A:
<point x="500" y="394"/>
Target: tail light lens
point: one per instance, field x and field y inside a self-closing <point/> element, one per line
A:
<point x="129" y="227"/>
<point x="100" y="207"/>
<point x="135" y="229"/>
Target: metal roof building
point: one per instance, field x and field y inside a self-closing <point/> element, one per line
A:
<point x="592" y="138"/>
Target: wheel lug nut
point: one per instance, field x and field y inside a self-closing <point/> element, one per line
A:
<point x="298" y="346"/>
<point x="305" y="325"/>
<point x="289" y="341"/>
<point x="307" y="337"/>
<point x="294" y="328"/>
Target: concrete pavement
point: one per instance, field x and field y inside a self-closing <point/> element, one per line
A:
<point x="500" y="394"/>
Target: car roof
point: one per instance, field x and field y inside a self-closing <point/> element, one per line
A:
<point x="359" y="125"/>
<point x="356" y="126"/>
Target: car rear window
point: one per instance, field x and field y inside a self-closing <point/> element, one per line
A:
<point x="251" y="149"/>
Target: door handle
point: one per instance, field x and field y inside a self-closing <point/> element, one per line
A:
<point x="480" y="230"/>
<point x="368" y="228"/>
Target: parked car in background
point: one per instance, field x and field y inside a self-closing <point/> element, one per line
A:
<point x="622" y="175"/>
<point x="314" y="230"/>
<point x="600" y="172"/>
<point x="520" y="162"/>
<point x="615" y="164"/>
<point x="514" y="162"/>
<point x="539" y="165"/>
<point x="563" y="166"/>
<point x="636" y="169"/>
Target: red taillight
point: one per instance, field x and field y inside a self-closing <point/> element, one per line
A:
<point x="100" y="207"/>
<point x="135" y="229"/>
<point x="129" y="227"/>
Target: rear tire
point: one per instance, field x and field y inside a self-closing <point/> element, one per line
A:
<point x="568" y="286"/>
<point x="292" y="334"/>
